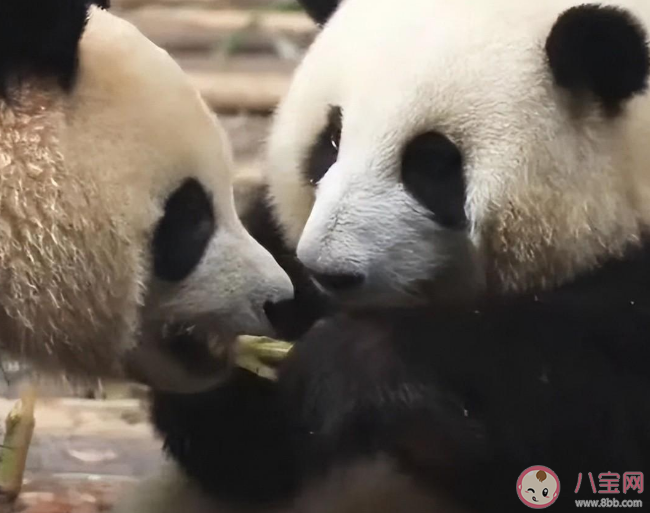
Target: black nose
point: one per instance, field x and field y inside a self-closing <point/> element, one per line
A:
<point x="280" y="315"/>
<point x="292" y="318"/>
<point x="339" y="282"/>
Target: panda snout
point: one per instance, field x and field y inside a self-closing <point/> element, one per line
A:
<point x="281" y="315"/>
<point x="333" y="273"/>
<point x="336" y="279"/>
<point x="278" y="288"/>
<point x="272" y="296"/>
<point x="339" y="281"/>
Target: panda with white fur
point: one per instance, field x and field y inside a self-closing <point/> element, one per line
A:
<point x="471" y="181"/>
<point x="121" y="253"/>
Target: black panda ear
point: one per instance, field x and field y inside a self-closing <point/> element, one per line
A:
<point x="320" y="10"/>
<point x="41" y="38"/>
<point x="599" y="49"/>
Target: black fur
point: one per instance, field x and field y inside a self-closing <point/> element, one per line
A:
<point x="232" y="456"/>
<point x="234" y="441"/>
<point x="291" y="318"/>
<point x="464" y="399"/>
<point x="432" y="172"/>
<point x="325" y="150"/>
<point x="602" y="50"/>
<point x="183" y="234"/>
<point x="320" y="10"/>
<point x="41" y="38"/>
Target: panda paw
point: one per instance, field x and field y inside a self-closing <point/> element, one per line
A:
<point x="353" y="392"/>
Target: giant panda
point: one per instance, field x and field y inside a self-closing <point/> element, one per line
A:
<point x="470" y="182"/>
<point x="121" y="254"/>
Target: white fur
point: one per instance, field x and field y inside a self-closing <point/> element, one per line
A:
<point x="548" y="194"/>
<point x="227" y="291"/>
<point x="85" y="178"/>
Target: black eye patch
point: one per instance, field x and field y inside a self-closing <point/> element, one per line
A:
<point x="432" y="172"/>
<point x="325" y="150"/>
<point x="183" y="234"/>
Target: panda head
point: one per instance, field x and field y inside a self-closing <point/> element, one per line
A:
<point x="449" y="149"/>
<point x="120" y="245"/>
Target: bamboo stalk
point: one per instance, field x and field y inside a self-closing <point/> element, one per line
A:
<point x="261" y="355"/>
<point x="18" y="436"/>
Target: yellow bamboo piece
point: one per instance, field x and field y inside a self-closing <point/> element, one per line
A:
<point x="261" y="355"/>
<point x="18" y="436"/>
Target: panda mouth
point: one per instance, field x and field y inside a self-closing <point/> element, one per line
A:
<point x="196" y="350"/>
<point x="181" y="358"/>
<point x="377" y="297"/>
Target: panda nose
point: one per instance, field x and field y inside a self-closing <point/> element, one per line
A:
<point x="339" y="282"/>
<point x="281" y="315"/>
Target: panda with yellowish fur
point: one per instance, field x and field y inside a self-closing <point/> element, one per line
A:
<point x="470" y="181"/>
<point x="121" y="253"/>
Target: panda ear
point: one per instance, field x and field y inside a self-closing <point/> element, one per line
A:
<point x="41" y="38"/>
<point x="599" y="49"/>
<point x="320" y="10"/>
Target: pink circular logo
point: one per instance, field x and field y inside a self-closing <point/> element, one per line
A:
<point x="538" y="487"/>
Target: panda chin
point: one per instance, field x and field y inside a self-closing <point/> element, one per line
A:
<point x="446" y="290"/>
<point x="182" y="358"/>
<point x="200" y="352"/>
<point x="376" y="300"/>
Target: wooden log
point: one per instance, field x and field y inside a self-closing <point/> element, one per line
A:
<point x="252" y="65"/>
<point x="71" y="493"/>
<point x="214" y="4"/>
<point x="241" y="92"/>
<point x="194" y="29"/>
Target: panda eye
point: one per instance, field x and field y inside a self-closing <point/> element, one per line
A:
<point x="183" y="234"/>
<point x="335" y="139"/>
<point x="325" y="150"/>
<point x="432" y="172"/>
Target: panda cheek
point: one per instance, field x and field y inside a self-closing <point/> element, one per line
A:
<point x="183" y="234"/>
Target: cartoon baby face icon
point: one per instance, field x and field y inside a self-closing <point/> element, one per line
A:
<point x="538" y="487"/>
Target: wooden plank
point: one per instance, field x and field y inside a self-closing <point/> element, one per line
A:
<point x="192" y="29"/>
<point x="237" y="92"/>
<point x="214" y="4"/>
<point x="71" y="494"/>
<point x="125" y="418"/>
<point x="92" y="437"/>
<point x="253" y="64"/>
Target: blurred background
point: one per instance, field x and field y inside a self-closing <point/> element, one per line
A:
<point x="239" y="53"/>
<point x="92" y="439"/>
